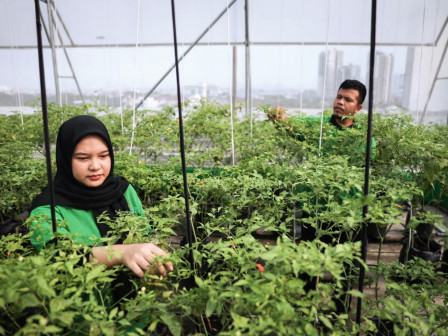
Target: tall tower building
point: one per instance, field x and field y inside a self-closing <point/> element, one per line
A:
<point x="382" y="78"/>
<point x="350" y="71"/>
<point x="333" y="68"/>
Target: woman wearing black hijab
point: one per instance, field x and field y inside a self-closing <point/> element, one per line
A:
<point x="85" y="187"/>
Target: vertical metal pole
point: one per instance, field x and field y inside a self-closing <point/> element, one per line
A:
<point x="182" y="144"/>
<point x="248" y="75"/>
<point x="43" y="94"/>
<point x="61" y="41"/>
<point x="367" y="160"/>
<point x="53" y="52"/>
<point x="70" y="66"/>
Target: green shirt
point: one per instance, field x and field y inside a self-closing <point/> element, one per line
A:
<point x="307" y="129"/>
<point x="79" y="223"/>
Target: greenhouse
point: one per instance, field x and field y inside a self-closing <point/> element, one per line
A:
<point x="229" y="167"/>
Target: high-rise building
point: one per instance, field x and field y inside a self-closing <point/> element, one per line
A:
<point x="382" y="78"/>
<point x="350" y="71"/>
<point x="330" y="67"/>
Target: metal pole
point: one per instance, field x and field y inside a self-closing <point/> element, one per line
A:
<point x="433" y="82"/>
<point x="184" y="54"/>
<point x="69" y="64"/>
<point x="208" y="44"/>
<point x="53" y="52"/>
<point x="248" y="75"/>
<point x="182" y="144"/>
<point x="63" y="24"/>
<point x="45" y="28"/>
<point x="367" y="160"/>
<point x="43" y="94"/>
<point x="64" y="48"/>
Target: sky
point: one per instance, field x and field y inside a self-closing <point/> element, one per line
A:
<point x="276" y="64"/>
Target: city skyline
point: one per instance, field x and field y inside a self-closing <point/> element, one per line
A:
<point x="286" y="41"/>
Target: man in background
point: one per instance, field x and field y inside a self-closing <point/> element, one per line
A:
<point x="348" y="102"/>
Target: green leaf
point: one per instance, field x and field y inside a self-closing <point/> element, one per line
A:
<point x="66" y="318"/>
<point x="94" y="273"/>
<point x="28" y="300"/>
<point x="172" y="322"/>
<point x="113" y="313"/>
<point x="326" y="322"/>
<point x="58" y="304"/>
<point x="43" y="287"/>
<point x="365" y="200"/>
<point x="210" y="307"/>
<point x="52" y="330"/>
<point x="310" y="330"/>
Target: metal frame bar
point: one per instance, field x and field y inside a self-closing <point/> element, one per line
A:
<point x="436" y="78"/>
<point x="186" y="52"/>
<point x="51" y="24"/>
<point x="248" y="67"/>
<point x="252" y="43"/>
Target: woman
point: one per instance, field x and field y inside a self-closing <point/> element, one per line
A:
<point x="85" y="187"/>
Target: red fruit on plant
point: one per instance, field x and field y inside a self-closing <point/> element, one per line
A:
<point x="260" y="268"/>
<point x="202" y="183"/>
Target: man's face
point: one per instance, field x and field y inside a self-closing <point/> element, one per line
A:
<point x="346" y="103"/>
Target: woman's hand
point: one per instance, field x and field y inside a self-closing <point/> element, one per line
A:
<point x="139" y="258"/>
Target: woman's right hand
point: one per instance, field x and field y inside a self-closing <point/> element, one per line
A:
<point x="139" y="258"/>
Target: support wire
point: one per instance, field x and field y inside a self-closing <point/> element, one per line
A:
<point x="135" y="78"/>
<point x="230" y="86"/>
<point x="325" y="79"/>
<point x="248" y="67"/>
<point x="421" y="65"/>
<point x="11" y="38"/>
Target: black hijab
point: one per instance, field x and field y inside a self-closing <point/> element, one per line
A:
<point x="72" y="193"/>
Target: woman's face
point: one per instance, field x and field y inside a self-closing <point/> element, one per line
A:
<point x="91" y="161"/>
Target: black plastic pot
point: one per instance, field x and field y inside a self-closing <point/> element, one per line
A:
<point x="444" y="267"/>
<point x="384" y="327"/>
<point x="432" y="254"/>
<point x="376" y="232"/>
<point x="424" y="231"/>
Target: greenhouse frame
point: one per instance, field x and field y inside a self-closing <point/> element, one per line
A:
<point x="260" y="206"/>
